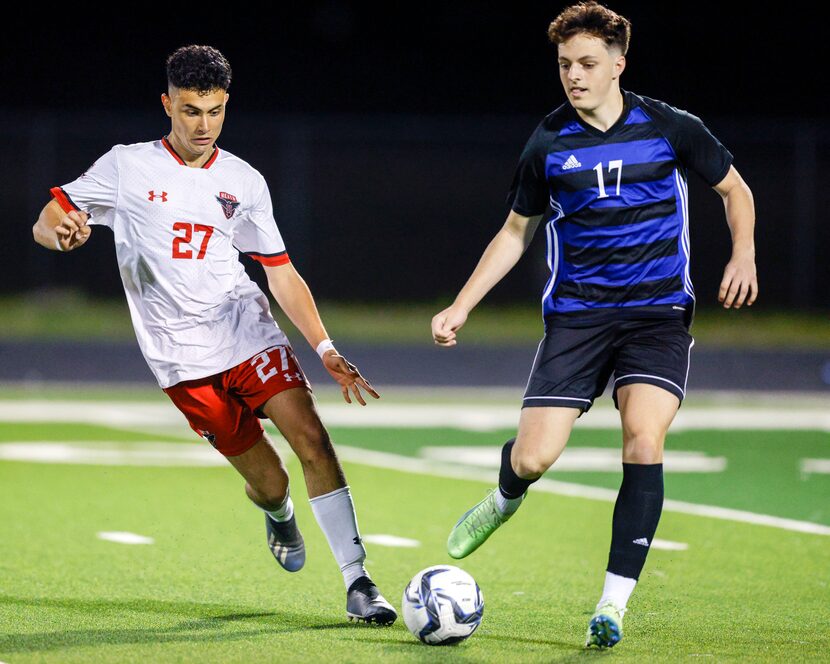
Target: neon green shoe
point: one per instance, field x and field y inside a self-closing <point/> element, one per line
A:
<point x="475" y="526"/>
<point x="605" y="628"/>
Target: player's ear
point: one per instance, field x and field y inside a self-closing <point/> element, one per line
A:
<point x="619" y="66"/>
<point x="227" y="96"/>
<point x="167" y="103"/>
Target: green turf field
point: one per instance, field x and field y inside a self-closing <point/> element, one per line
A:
<point x="208" y="590"/>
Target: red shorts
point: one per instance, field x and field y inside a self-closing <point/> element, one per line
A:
<point x="223" y="408"/>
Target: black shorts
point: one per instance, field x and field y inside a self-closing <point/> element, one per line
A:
<point x="577" y="357"/>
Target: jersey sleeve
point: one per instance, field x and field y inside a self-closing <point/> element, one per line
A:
<point x="94" y="192"/>
<point x="529" y="193"/>
<point x="695" y="146"/>
<point x="257" y="234"/>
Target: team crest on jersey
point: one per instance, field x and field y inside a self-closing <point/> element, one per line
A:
<point x="228" y="203"/>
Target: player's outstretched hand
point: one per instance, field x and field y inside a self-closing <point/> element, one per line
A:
<point x="72" y="231"/>
<point x="349" y="378"/>
<point x="739" y="285"/>
<point x="446" y="323"/>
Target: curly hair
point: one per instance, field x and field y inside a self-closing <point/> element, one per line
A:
<point x="593" y="19"/>
<point x="200" y="68"/>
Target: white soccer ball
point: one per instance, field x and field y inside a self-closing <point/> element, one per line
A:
<point x="442" y="605"/>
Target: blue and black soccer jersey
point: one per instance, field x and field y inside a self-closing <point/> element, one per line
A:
<point x="619" y="232"/>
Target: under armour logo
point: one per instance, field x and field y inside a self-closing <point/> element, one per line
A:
<point x="207" y="435"/>
<point x="357" y="540"/>
<point x="153" y="196"/>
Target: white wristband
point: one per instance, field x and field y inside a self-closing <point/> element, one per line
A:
<point x="323" y="346"/>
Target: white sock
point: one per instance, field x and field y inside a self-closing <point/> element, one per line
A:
<point x="337" y="519"/>
<point x="508" y="505"/>
<point x="284" y="512"/>
<point x="618" y="589"/>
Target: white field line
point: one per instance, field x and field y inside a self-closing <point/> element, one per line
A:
<point x="809" y="466"/>
<point x="577" y="459"/>
<point x="667" y="545"/>
<point x="121" y="414"/>
<point x="485" y="417"/>
<point x="121" y="537"/>
<point x="112" y="453"/>
<point x="96" y="453"/>
<point x="426" y="467"/>
<point x="391" y="540"/>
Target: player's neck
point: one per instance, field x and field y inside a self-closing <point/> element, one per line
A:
<point x="604" y="116"/>
<point x="189" y="158"/>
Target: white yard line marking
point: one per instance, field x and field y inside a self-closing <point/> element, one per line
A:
<point x="391" y="540"/>
<point x="821" y="466"/>
<point x="667" y="545"/>
<point x="484" y="417"/>
<point x="111" y="453"/>
<point x="122" y="537"/>
<point x="186" y="454"/>
<point x="425" y="467"/>
<point x="578" y="459"/>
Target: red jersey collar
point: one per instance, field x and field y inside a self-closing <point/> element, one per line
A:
<point x="176" y="156"/>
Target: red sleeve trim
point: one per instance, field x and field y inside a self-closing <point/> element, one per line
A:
<point x="271" y="260"/>
<point x="63" y="200"/>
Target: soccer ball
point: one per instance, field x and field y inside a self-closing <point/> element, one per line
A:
<point x="442" y="605"/>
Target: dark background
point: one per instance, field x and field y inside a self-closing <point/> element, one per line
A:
<point x="389" y="134"/>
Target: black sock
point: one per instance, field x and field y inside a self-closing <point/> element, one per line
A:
<point x="636" y="515"/>
<point x="510" y="484"/>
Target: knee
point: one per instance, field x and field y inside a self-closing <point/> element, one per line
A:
<point x="643" y="448"/>
<point x="530" y="466"/>
<point x="312" y="445"/>
<point x="268" y="494"/>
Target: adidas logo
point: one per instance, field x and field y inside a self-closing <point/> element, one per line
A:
<point x="642" y="541"/>
<point x="572" y="162"/>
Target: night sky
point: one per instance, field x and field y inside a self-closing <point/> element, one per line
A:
<point x="445" y="58"/>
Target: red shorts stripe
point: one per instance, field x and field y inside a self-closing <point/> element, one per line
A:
<point x="222" y="408"/>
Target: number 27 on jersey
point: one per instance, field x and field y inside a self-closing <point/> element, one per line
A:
<point x="182" y="243"/>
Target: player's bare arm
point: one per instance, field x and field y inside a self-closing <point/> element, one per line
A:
<point x="294" y="297"/>
<point x="740" y="281"/>
<point x="61" y="231"/>
<point x="503" y="252"/>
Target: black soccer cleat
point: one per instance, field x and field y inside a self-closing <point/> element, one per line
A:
<point x="364" y="602"/>
<point x="286" y="543"/>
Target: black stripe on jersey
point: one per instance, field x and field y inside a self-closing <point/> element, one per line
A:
<point x="256" y="253"/>
<point x="631" y="174"/>
<point x="602" y="294"/>
<point x="636" y="253"/>
<point x="641" y="131"/>
<point x="620" y="216"/>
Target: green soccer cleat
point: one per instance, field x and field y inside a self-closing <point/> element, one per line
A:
<point x="605" y="628"/>
<point x="475" y="526"/>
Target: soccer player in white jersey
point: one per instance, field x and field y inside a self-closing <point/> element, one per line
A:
<point x="181" y="211"/>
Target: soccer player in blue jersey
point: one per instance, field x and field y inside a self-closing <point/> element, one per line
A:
<point x="607" y="172"/>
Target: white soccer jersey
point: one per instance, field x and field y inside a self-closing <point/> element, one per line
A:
<point x="178" y="233"/>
